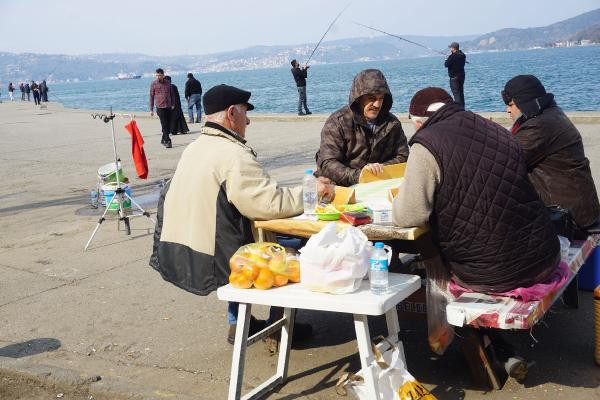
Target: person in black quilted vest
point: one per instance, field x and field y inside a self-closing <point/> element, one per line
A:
<point x="466" y="177"/>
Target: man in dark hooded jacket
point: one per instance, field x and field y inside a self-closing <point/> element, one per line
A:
<point x="553" y="149"/>
<point x="363" y="134"/>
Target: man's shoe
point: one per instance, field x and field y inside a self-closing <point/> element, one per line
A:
<point x="162" y="141"/>
<point x="197" y="121"/>
<point x="301" y="113"/>
<point x="191" y="121"/>
<point x="518" y="368"/>
<point x="256" y="325"/>
<point x="308" y="113"/>
<point x="168" y="144"/>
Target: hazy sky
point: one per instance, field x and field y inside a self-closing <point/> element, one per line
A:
<point x="173" y="27"/>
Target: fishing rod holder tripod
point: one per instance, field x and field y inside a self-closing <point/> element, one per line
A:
<point x="119" y="194"/>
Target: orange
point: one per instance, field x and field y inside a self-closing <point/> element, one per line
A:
<point x="265" y="279"/>
<point x="293" y="267"/>
<point x="238" y="261"/>
<point x="251" y="272"/>
<point x="239" y="280"/>
<point x="280" y="280"/>
<point x="277" y="264"/>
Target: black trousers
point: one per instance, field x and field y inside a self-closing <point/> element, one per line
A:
<point x="36" y="97"/>
<point x="457" y="84"/>
<point x="164" y="114"/>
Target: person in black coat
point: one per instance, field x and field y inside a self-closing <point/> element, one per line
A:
<point x="178" y="124"/>
<point x="456" y="71"/>
<point x="300" y="75"/>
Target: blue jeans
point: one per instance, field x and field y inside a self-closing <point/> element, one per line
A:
<point x="195" y="100"/>
<point x="302" y="99"/>
<point x="232" y="313"/>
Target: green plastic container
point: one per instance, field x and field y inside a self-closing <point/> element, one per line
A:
<point x="108" y="174"/>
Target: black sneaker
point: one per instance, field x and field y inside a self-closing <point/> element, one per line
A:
<point x="256" y="325"/>
<point x="301" y="113"/>
<point x="308" y="113"/>
<point x="168" y="144"/>
<point x="162" y="141"/>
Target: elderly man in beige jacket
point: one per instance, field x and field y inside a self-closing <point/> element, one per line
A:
<point x="218" y="189"/>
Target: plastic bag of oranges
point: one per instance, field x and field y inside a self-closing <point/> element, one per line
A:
<point x="262" y="265"/>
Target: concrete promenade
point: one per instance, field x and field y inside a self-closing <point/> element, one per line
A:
<point x="102" y="323"/>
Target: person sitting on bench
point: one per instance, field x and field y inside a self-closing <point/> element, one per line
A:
<point x="466" y="178"/>
<point x="553" y="150"/>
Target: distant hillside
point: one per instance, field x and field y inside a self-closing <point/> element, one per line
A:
<point x="53" y="67"/>
<point x="26" y="66"/>
<point x="592" y="33"/>
<point x="547" y="36"/>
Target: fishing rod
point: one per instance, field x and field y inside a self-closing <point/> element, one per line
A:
<point x="322" y="37"/>
<point x="401" y="38"/>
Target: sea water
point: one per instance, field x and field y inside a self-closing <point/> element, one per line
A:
<point x="572" y="74"/>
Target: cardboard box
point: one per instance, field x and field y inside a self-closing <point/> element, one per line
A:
<point x="414" y="307"/>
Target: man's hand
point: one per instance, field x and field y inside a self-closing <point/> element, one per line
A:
<point x="326" y="189"/>
<point x="374" y="168"/>
<point x="152" y="113"/>
<point x="172" y="107"/>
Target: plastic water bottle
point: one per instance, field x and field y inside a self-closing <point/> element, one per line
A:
<point x="378" y="269"/>
<point x="94" y="198"/>
<point x="309" y="192"/>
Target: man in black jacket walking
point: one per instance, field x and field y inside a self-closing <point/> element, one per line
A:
<point x="300" y="78"/>
<point x="193" y="95"/>
<point x="455" y="63"/>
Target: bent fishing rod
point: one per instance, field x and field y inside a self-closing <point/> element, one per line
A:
<point x="327" y="31"/>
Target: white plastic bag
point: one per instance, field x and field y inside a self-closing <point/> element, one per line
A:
<point x="335" y="262"/>
<point x="394" y="382"/>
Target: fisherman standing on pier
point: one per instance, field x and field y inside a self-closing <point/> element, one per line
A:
<point x="300" y="78"/>
<point x="455" y="63"/>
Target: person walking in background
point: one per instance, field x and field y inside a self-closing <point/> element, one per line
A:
<point x="44" y="91"/>
<point x="160" y="90"/>
<point x="193" y="95"/>
<point x="178" y="124"/>
<point x="300" y="78"/>
<point x="455" y="63"/>
<point x="11" y="89"/>
<point x="36" y="92"/>
<point x="22" y="89"/>
<point x="28" y="91"/>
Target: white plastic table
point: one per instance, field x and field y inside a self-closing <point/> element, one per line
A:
<point x="293" y="296"/>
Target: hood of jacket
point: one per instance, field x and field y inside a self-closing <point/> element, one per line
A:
<point x="367" y="82"/>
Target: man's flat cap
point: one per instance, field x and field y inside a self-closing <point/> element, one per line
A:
<point x="219" y="97"/>
<point x="424" y="98"/>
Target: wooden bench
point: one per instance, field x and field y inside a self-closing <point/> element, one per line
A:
<point x="472" y="311"/>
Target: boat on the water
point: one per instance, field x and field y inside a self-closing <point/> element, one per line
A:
<point x="122" y="76"/>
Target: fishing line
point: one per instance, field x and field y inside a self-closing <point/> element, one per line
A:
<point x="401" y="38"/>
<point x="328" y="29"/>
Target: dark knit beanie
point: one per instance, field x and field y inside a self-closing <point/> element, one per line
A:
<point x="528" y="94"/>
<point x="426" y="97"/>
<point x="522" y="88"/>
